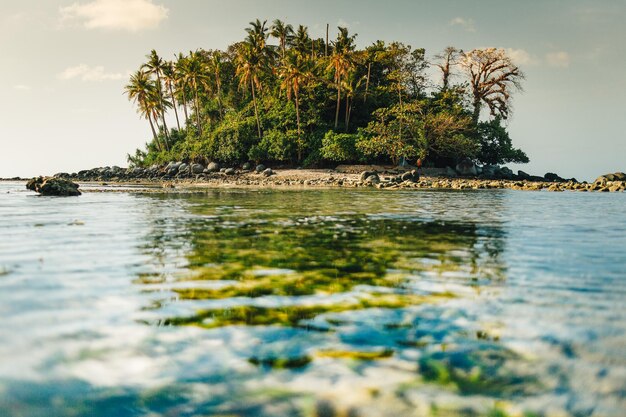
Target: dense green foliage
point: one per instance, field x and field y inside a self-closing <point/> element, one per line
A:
<point x="310" y="101"/>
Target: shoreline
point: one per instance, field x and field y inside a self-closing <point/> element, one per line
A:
<point x="328" y="178"/>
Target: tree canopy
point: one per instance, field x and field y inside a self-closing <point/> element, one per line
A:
<point x="280" y="95"/>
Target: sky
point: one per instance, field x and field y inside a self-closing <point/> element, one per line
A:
<point x="65" y="63"/>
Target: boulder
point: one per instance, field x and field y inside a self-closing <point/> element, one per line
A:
<point x="372" y="180"/>
<point x="551" y="176"/>
<point x="618" y="176"/>
<point x="53" y="186"/>
<point x="451" y="173"/>
<point x="490" y="171"/>
<point x="260" y="168"/>
<point x="172" y="168"/>
<point x="412" y="176"/>
<point x="268" y="172"/>
<point x="197" y="169"/>
<point x="213" y="167"/>
<point x="366" y="174"/>
<point x="247" y="166"/>
<point x="229" y="171"/>
<point x="505" y="173"/>
<point x="466" y="168"/>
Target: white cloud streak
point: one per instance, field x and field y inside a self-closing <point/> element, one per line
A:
<point x="467" y="24"/>
<point x="129" y="15"/>
<point x="560" y="59"/>
<point x="87" y="73"/>
<point x="521" y="57"/>
<point x="22" y="87"/>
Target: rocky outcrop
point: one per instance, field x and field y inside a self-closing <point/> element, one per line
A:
<point x="490" y="176"/>
<point x="55" y="186"/>
<point x="212" y="167"/>
<point x="617" y="176"/>
<point x="551" y="176"/>
<point x="466" y="168"/>
<point x="197" y="169"/>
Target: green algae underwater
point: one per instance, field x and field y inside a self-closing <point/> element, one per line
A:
<point x="312" y="303"/>
<point x="322" y="264"/>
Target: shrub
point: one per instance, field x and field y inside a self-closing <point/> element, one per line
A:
<point x="340" y="147"/>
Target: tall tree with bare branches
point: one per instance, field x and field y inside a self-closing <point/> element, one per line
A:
<point x="493" y="77"/>
<point x="446" y="61"/>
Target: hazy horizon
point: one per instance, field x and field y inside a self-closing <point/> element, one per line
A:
<point x="66" y="62"/>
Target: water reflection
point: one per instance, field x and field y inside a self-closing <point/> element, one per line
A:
<point x="310" y="303"/>
<point x="341" y="279"/>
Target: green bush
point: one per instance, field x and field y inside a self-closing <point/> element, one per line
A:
<point x="275" y="145"/>
<point x="496" y="146"/>
<point x="340" y="147"/>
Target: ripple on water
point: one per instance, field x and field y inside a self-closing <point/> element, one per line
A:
<point x="259" y="303"/>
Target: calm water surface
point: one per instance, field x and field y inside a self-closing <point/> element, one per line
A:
<point x="312" y="303"/>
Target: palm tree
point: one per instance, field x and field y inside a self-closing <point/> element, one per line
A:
<point x="169" y="77"/>
<point x="249" y="71"/>
<point x="142" y="91"/>
<point x="254" y="57"/>
<point x="340" y="63"/>
<point x="180" y="71"/>
<point x="301" y="40"/>
<point x="155" y="66"/>
<point x="196" y="76"/>
<point x="215" y="65"/>
<point x="351" y="85"/>
<point x="295" y="74"/>
<point x="283" y="32"/>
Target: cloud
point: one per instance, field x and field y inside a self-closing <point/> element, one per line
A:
<point x="87" y="73"/>
<point x="559" y="59"/>
<point x="130" y="15"/>
<point x="521" y="57"/>
<point x="22" y="87"/>
<point x="467" y="24"/>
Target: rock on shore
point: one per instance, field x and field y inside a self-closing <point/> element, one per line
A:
<point x="488" y="176"/>
<point x="53" y="186"/>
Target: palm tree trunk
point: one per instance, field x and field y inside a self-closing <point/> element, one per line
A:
<point x="256" y="111"/>
<point x="182" y="88"/>
<point x="174" y="105"/>
<point x="219" y="93"/>
<point x="154" y="133"/>
<point x="367" y="81"/>
<point x="338" y="102"/>
<point x="283" y="44"/>
<point x="159" y="86"/>
<point x="347" y="110"/>
<point x="349" y="113"/>
<point x="298" y="123"/>
<point x="195" y="85"/>
<point x="326" y="46"/>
